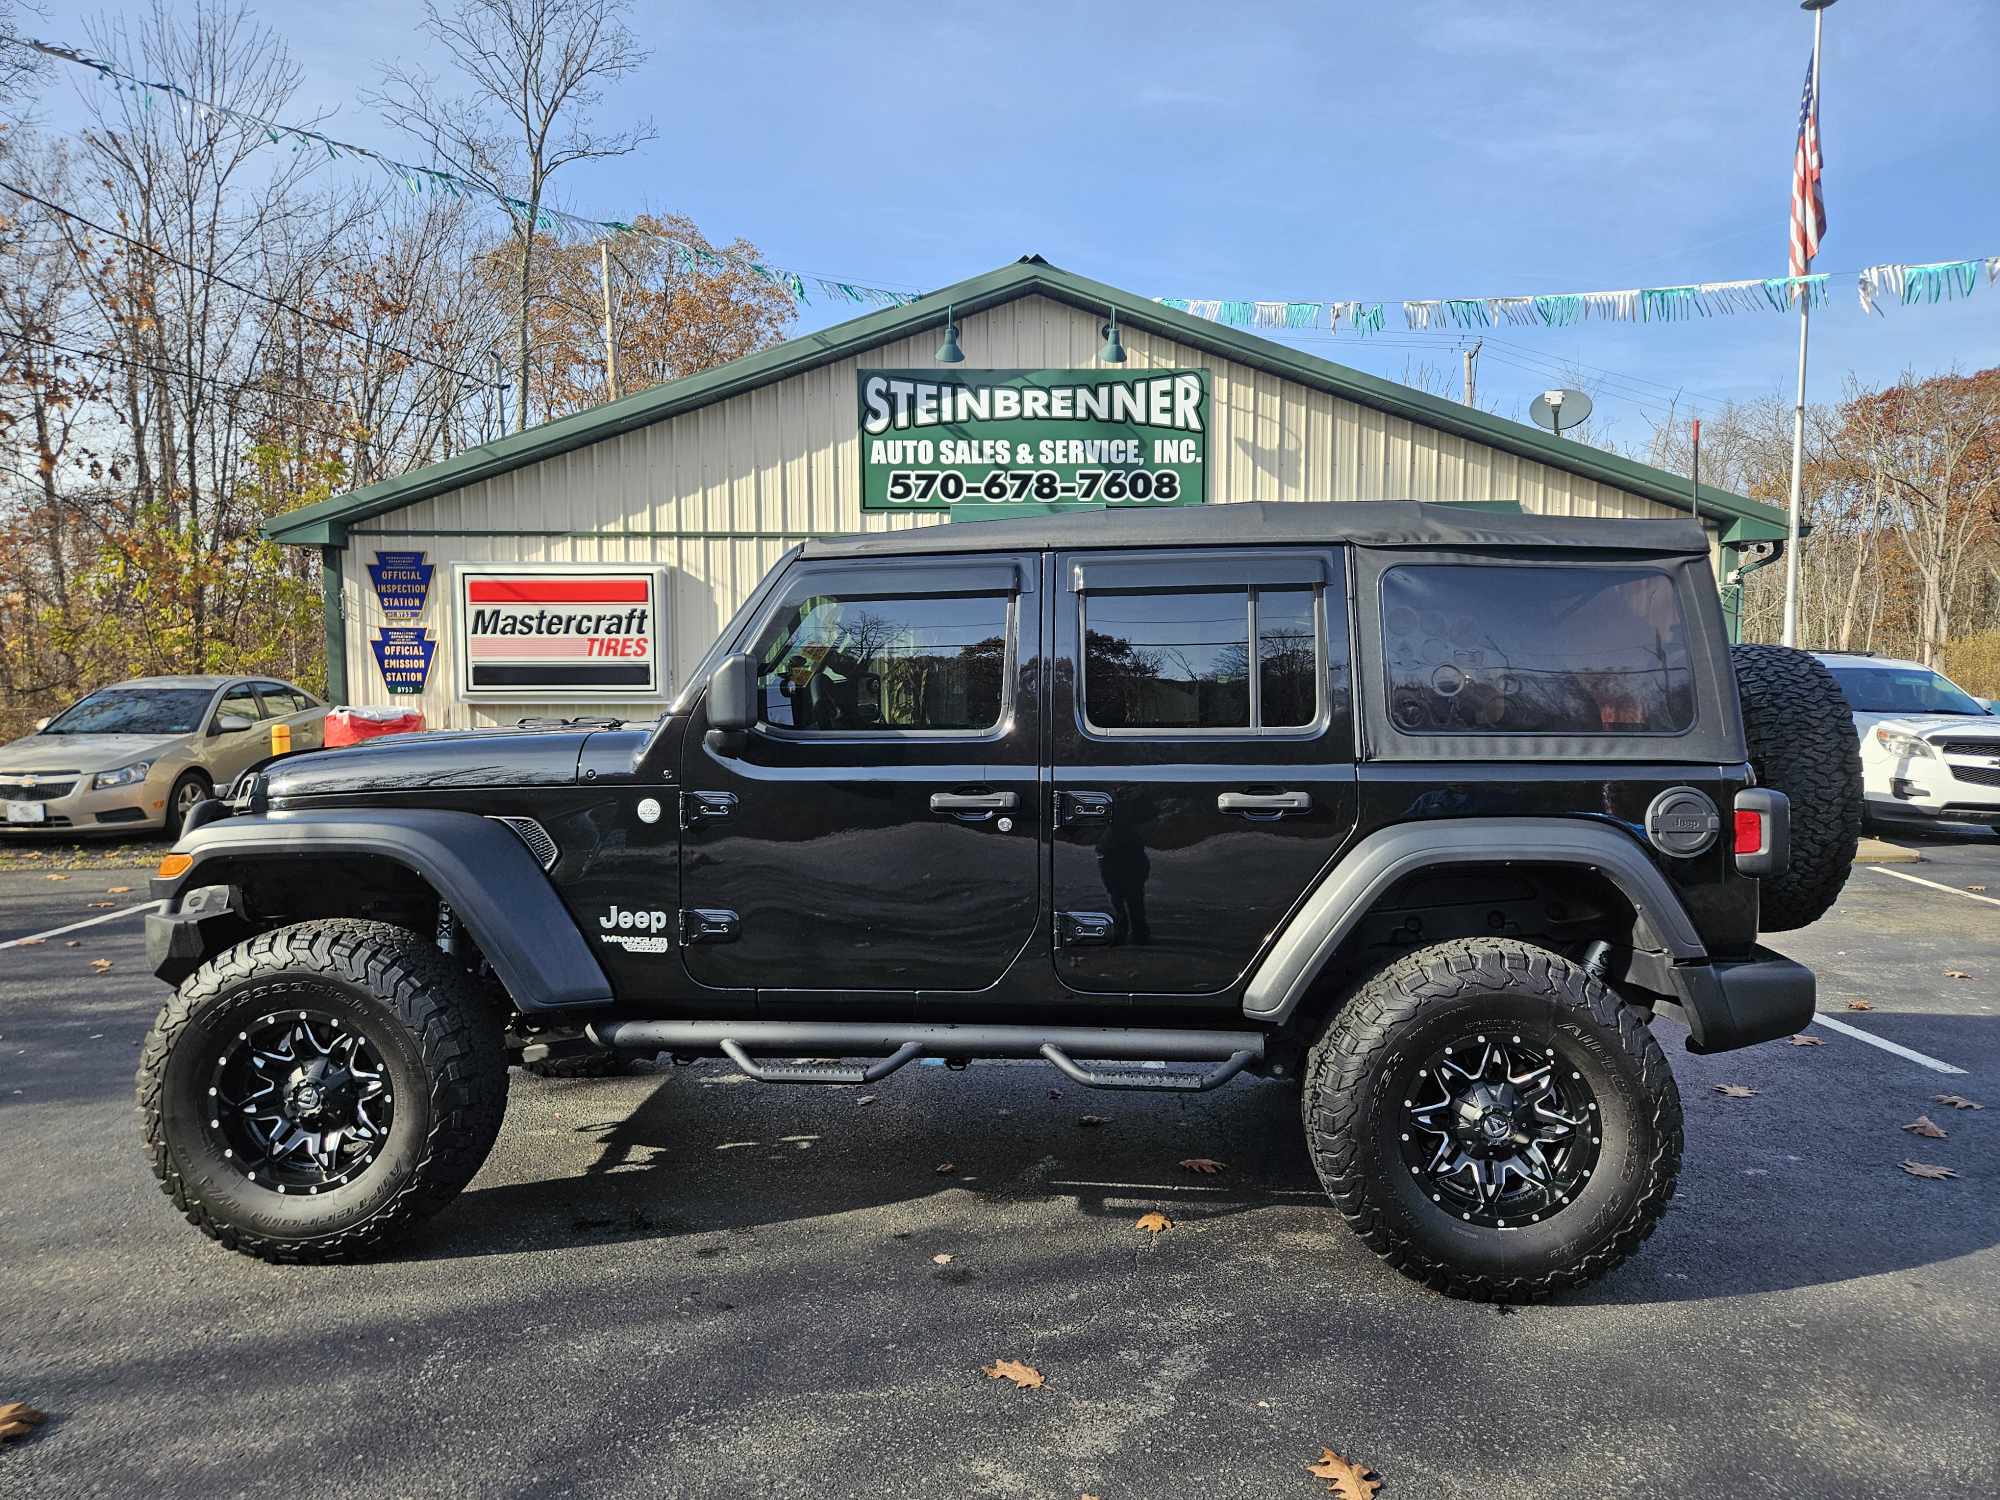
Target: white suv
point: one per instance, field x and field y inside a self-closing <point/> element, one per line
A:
<point x="1930" y="751"/>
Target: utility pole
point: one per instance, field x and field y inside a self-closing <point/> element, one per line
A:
<point x="1472" y="373"/>
<point x="1790" y="636"/>
<point x="610" y="347"/>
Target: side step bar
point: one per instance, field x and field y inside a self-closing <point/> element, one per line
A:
<point x="892" y="1045"/>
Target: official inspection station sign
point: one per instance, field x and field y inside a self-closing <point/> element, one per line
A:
<point x="402" y="583"/>
<point x="556" y="632"/>
<point x="935" y="439"/>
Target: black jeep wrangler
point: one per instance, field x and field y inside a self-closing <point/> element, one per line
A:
<point x="1423" y="812"/>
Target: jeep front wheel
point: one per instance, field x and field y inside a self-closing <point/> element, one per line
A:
<point x="1492" y="1121"/>
<point x="312" y="1093"/>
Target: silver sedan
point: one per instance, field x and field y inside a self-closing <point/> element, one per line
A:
<point x="138" y="755"/>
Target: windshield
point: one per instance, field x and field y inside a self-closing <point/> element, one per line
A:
<point x="1902" y="690"/>
<point x="135" y="710"/>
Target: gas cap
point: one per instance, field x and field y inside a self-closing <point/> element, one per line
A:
<point x="1682" y="822"/>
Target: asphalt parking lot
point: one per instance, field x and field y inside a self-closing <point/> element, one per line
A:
<point x="681" y="1283"/>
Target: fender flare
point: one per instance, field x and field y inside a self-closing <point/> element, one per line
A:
<point x="1368" y="870"/>
<point x="479" y="866"/>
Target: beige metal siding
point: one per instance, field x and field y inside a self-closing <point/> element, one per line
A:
<point x="717" y="494"/>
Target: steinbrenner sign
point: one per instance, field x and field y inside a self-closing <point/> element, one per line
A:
<point x="932" y="440"/>
<point x="559" y="632"/>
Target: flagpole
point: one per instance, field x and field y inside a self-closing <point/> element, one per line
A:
<point x="1791" y="627"/>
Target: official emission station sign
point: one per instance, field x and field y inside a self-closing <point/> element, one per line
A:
<point x="1127" y="439"/>
<point x="555" y="632"/>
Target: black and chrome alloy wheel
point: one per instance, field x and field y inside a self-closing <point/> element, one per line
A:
<point x="300" y="1101"/>
<point x="1502" y="1131"/>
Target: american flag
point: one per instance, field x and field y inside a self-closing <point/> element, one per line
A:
<point x="1808" y="207"/>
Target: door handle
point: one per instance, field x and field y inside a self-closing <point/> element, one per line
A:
<point x="1263" y="804"/>
<point x="973" y="805"/>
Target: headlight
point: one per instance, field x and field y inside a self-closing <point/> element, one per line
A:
<point x="1906" y="745"/>
<point x="124" y="775"/>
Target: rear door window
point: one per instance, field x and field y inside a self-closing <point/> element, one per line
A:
<point x="1180" y="659"/>
<point x="1535" y="651"/>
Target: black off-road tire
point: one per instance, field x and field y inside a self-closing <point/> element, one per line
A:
<point x="1366" y="1058"/>
<point x="437" y="1037"/>
<point x="1802" y="742"/>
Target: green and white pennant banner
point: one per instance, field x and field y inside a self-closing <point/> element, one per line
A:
<point x="688" y="254"/>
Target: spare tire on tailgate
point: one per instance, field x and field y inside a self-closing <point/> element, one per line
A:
<point x="1802" y="742"/>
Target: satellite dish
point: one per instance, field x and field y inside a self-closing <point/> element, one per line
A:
<point x="1560" y="410"/>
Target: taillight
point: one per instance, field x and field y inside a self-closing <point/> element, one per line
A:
<point x="1762" y="825"/>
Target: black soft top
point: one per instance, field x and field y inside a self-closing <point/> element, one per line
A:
<point x="1368" y="523"/>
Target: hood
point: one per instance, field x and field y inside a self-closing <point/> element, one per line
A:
<point x="432" y="762"/>
<point x="1944" y="726"/>
<point x="82" y="752"/>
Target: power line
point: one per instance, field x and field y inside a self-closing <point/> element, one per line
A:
<point x="248" y="291"/>
<point x="218" y="381"/>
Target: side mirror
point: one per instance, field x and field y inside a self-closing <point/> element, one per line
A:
<point x="732" y="694"/>
<point x="231" y="724"/>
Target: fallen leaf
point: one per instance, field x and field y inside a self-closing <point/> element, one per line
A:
<point x="1976" y="889"/>
<point x="1349" y="1481"/>
<point x="1926" y="1170"/>
<point x="1735" y="1091"/>
<point x="1089" y="1120"/>
<point x="1802" y="1040"/>
<point x="1207" y="1165"/>
<point x="71" y="943"/>
<point x="941" y="1260"/>
<point x="102" y="965"/>
<point x="32" y="943"/>
<point x="1926" y="1127"/>
<point x="97" y="905"/>
<point x="1154" y="1222"/>
<point x="18" y="1419"/>
<point x="1025" y="1377"/>
<point x="866" y="1099"/>
<point x="1956" y="974"/>
<point x="118" y="890"/>
<point x="1087" y="1497"/>
<point x="947" y="1168"/>
<point x="1956" y="1101"/>
<point x="1859" y="1005"/>
<point x="55" y="877"/>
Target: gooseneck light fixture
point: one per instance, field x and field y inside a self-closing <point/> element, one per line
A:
<point x="1113" y="352"/>
<point x="948" y="353"/>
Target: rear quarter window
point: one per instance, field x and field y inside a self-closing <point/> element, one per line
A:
<point x="1535" y="651"/>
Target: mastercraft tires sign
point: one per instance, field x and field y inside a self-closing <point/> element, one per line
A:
<point x="1121" y="439"/>
<point x="551" y="633"/>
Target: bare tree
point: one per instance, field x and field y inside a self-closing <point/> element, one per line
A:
<point x="535" y="71"/>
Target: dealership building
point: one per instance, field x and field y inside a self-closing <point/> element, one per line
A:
<point x="581" y="567"/>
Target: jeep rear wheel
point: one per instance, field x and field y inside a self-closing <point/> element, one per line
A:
<point x="312" y="1093"/>
<point x="1802" y="742"/>
<point x="1492" y="1121"/>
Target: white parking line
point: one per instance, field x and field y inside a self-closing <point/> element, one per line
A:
<point x="1885" y="1044"/>
<point x="110" y="916"/>
<point x="1950" y="890"/>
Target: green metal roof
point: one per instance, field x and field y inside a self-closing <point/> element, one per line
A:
<point x="326" y="522"/>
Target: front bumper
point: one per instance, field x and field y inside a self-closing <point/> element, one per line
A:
<point x="1735" y="1003"/>
<point x="189" y="927"/>
<point x="1948" y="788"/>
<point x="82" y="808"/>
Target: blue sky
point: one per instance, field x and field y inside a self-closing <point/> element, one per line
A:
<point x="1425" y="149"/>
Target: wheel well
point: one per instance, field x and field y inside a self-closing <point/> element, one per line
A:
<point x="1564" y="908"/>
<point x="277" y="892"/>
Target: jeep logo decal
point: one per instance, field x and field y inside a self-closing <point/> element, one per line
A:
<point x="633" y="921"/>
